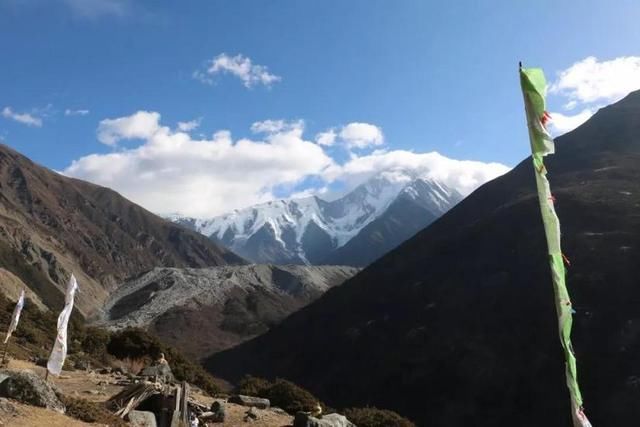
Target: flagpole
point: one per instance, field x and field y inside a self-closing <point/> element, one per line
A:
<point x="4" y="353"/>
<point x="59" y="348"/>
<point x="15" y="318"/>
<point x="533" y="86"/>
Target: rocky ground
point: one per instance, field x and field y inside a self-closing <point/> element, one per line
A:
<point x="98" y="387"/>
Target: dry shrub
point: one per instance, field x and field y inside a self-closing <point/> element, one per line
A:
<point x="91" y="412"/>
<point x="373" y="417"/>
<point x="132" y="365"/>
<point x="281" y="393"/>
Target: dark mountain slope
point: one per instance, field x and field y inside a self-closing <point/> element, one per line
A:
<point x="409" y="213"/>
<point x="457" y="326"/>
<point x="51" y="225"/>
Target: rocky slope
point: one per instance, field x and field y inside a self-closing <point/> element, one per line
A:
<point x="313" y="231"/>
<point x="202" y="311"/>
<point x="51" y="225"/>
<point x="457" y="326"/>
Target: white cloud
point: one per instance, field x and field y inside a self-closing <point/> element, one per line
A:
<point x="327" y="138"/>
<point x="170" y="171"/>
<point x="190" y="125"/>
<point x="588" y="84"/>
<point x="95" y="8"/>
<point x="239" y="66"/>
<point x="278" y="126"/>
<point x="361" y="135"/>
<point x="24" y="118"/>
<point x="561" y="123"/>
<point x="140" y="125"/>
<point x="463" y="175"/>
<point x="590" y="80"/>
<point x="69" y="112"/>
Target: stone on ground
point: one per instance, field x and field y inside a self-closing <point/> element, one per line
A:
<point x="256" y="402"/>
<point x="142" y="419"/>
<point x="330" y="420"/>
<point x="29" y="388"/>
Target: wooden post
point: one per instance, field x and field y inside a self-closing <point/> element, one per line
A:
<point x="47" y="374"/>
<point x="4" y="353"/>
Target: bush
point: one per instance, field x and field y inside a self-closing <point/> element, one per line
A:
<point x="291" y="398"/>
<point x="253" y="386"/>
<point x="373" y="417"/>
<point x="95" y="342"/>
<point x="90" y="412"/>
<point x="281" y="393"/>
<point x="134" y="343"/>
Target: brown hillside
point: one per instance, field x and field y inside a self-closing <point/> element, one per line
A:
<point x="51" y="225"/>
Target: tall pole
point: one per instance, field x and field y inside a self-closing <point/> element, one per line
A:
<point x="4" y="353"/>
<point x="533" y="89"/>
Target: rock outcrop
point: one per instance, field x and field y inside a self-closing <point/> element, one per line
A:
<point x="29" y="388"/>
<point x="202" y="311"/>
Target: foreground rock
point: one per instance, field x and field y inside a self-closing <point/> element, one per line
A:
<point x="256" y="402"/>
<point x="29" y="388"/>
<point x="330" y="420"/>
<point x="142" y="419"/>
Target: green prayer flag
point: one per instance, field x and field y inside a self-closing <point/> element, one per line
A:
<point x="533" y="89"/>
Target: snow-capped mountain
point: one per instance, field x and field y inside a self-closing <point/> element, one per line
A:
<point x="308" y="230"/>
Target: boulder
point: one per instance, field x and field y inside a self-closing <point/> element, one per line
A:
<point x="251" y="414"/>
<point x="142" y="419"/>
<point x="216" y="414"/>
<point x="160" y="372"/>
<point x="256" y="402"/>
<point x="303" y="419"/>
<point x="279" y="411"/>
<point x="29" y="388"/>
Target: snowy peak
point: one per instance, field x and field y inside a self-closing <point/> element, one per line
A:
<point x="306" y="230"/>
<point x="432" y="195"/>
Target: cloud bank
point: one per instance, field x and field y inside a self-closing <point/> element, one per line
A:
<point x="169" y="171"/>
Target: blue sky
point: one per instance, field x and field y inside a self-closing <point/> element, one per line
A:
<point x="431" y="76"/>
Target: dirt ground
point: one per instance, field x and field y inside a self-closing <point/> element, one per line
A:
<point x="30" y="416"/>
<point x="98" y="388"/>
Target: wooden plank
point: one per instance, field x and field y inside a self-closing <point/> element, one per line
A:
<point x="176" y="419"/>
<point x="184" y="406"/>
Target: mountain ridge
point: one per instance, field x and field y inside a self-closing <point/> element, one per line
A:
<point x="309" y="230"/>
<point x="457" y="326"/>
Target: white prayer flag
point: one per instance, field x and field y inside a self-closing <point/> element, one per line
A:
<point x="16" y="317"/>
<point x="59" y="351"/>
